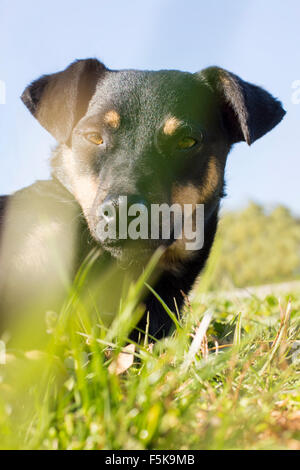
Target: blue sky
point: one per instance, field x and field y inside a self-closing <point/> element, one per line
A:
<point x="257" y="39"/>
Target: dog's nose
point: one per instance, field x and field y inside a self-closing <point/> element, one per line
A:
<point x="127" y="199"/>
<point x="113" y="206"/>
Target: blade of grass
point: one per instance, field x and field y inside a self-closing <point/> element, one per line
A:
<point x="238" y="330"/>
<point x="167" y="309"/>
<point x="197" y="341"/>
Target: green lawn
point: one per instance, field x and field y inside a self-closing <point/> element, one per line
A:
<point x="236" y="387"/>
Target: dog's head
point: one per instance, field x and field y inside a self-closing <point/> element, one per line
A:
<point x="155" y="137"/>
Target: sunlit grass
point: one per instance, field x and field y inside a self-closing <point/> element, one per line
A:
<point x="227" y="377"/>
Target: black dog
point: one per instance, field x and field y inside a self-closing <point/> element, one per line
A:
<point x="156" y="137"/>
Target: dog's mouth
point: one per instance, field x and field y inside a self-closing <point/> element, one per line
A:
<point x="134" y="250"/>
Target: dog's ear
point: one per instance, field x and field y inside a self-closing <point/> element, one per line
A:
<point x="60" y="100"/>
<point x="248" y="111"/>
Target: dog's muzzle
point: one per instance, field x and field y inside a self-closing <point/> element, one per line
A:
<point x="126" y="220"/>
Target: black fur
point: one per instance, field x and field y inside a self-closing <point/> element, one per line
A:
<point x="139" y="158"/>
<point x="257" y="111"/>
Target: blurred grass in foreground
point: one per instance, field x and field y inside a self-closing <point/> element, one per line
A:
<point x="234" y="386"/>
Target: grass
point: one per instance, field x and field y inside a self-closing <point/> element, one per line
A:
<point x="227" y="378"/>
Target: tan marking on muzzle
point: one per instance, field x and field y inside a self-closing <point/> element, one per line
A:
<point x="112" y="119"/>
<point x="211" y="181"/>
<point x="185" y="194"/>
<point x="176" y="254"/>
<point x="171" y="125"/>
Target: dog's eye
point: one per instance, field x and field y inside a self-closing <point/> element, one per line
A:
<point x="94" y="138"/>
<point x="186" y="143"/>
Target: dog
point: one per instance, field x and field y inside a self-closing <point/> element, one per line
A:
<point x="156" y="137"/>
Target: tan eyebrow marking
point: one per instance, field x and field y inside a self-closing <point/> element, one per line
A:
<point x="171" y="125"/>
<point x="112" y="118"/>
